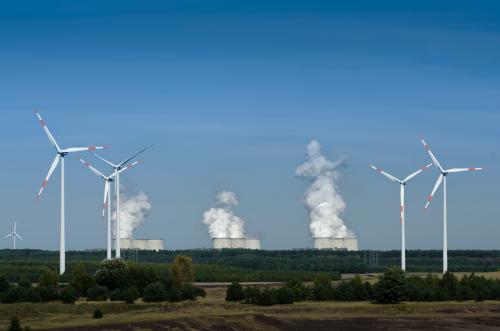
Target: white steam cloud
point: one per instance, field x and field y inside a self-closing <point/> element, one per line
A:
<point x="322" y="198"/>
<point x="221" y="221"/>
<point x="133" y="213"/>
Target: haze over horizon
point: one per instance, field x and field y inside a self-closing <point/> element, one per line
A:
<point x="233" y="93"/>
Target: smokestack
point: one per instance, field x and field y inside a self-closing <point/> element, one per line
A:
<point x="322" y="198"/>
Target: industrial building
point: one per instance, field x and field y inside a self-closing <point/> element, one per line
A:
<point x="142" y="244"/>
<point x="344" y="244"/>
<point x="245" y="243"/>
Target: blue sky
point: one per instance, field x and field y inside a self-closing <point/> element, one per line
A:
<point x="233" y="92"/>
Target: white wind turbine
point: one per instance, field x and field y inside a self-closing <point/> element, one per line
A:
<point x="61" y="154"/>
<point x="117" y="170"/>
<point x="402" y="184"/>
<point x="441" y="179"/>
<point x="107" y="196"/>
<point x="14" y="234"/>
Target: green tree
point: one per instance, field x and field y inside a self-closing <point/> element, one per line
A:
<point x="112" y="274"/>
<point x="285" y="295"/>
<point x="234" y="292"/>
<point x="97" y="293"/>
<point x="49" y="278"/>
<point x="154" y="292"/>
<point x="81" y="280"/>
<point x="392" y="286"/>
<point x="451" y="286"/>
<point x="267" y="297"/>
<point x="322" y="289"/>
<point x="15" y="324"/>
<point x="69" y="294"/>
<point x="4" y="284"/>
<point x="181" y="270"/>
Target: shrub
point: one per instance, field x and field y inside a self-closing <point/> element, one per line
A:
<point x="181" y="270"/>
<point x="24" y="283"/>
<point x="69" y="294"/>
<point x="174" y="295"/>
<point x="234" y="292"/>
<point x="285" y="295"/>
<point x="267" y="297"/>
<point x="322" y="289"/>
<point x="49" y="278"/>
<point x="128" y="295"/>
<point x="97" y="293"/>
<point x="4" y="284"/>
<point x="140" y="276"/>
<point x="392" y="287"/>
<point x="98" y="313"/>
<point x="251" y="295"/>
<point x="48" y="293"/>
<point x="81" y="280"/>
<point x="154" y="292"/>
<point x="300" y="292"/>
<point x="15" y="324"/>
<point x="112" y="274"/>
<point x="16" y="294"/>
<point x="190" y="292"/>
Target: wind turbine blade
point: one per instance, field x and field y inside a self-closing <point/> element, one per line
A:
<point x="82" y="149"/>
<point x="133" y="156"/>
<point x="436" y="186"/>
<point x="433" y="158"/>
<point x="94" y="170"/>
<point x="391" y="177"/>
<point x="130" y="166"/>
<point x="51" y="170"/>
<point x="463" y="169"/>
<point x="19" y="236"/>
<point x="15" y="223"/>
<point x="111" y="164"/>
<point x="417" y="172"/>
<point x="106" y="192"/>
<point x="8" y="236"/>
<point x="47" y="131"/>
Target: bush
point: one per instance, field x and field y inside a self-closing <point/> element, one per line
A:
<point x="128" y="295"/>
<point x="251" y="295"/>
<point x="112" y="274"/>
<point x="235" y="292"/>
<point x="69" y="294"/>
<point x="174" y="295"/>
<point x="16" y="294"/>
<point x="140" y="276"/>
<point x="4" y="284"/>
<point x="97" y="293"/>
<point x="154" y="292"/>
<point x="285" y="295"/>
<point x="15" y="324"/>
<point x="322" y="289"/>
<point x="267" y="297"/>
<point x="24" y="283"/>
<point x="48" y="293"/>
<point x="98" y="314"/>
<point x="190" y="292"/>
<point x="300" y="292"/>
<point x="49" y="278"/>
<point x="392" y="287"/>
<point x="81" y="280"/>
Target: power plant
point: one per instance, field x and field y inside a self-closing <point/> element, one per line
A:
<point x="338" y="244"/>
<point x="141" y="244"/>
<point x="245" y="243"/>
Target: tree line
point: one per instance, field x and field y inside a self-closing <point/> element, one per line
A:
<point x="394" y="286"/>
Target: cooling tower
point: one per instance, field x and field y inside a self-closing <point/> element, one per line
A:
<point x="220" y="243"/>
<point x="347" y="244"/>
<point x="142" y="244"/>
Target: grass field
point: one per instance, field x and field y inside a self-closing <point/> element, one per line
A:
<point x="213" y="313"/>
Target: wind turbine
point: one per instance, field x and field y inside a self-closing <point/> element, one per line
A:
<point x="442" y="179"/>
<point x="14" y="234"/>
<point x="402" y="184"/>
<point x="107" y="196"/>
<point x="117" y="170"/>
<point x="61" y="154"/>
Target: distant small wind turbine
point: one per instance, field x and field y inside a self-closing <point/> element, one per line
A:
<point x="402" y="184"/>
<point x="442" y="178"/>
<point x="118" y="167"/>
<point x="14" y="234"/>
<point x="107" y="196"/>
<point x="61" y="154"/>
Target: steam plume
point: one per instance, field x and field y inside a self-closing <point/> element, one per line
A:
<point x="322" y="197"/>
<point x="221" y="221"/>
<point x="133" y="213"/>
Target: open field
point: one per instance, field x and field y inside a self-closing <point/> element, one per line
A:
<point x="213" y="313"/>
